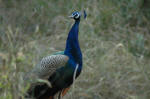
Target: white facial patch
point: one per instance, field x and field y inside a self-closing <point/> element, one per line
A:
<point x="77" y="16"/>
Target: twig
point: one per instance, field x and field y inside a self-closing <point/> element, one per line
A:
<point x="74" y="75"/>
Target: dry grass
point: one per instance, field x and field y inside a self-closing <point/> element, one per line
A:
<point x="114" y="40"/>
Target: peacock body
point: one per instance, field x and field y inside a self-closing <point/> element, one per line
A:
<point x="59" y="68"/>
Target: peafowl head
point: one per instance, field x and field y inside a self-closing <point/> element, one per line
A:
<point x="75" y="15"/>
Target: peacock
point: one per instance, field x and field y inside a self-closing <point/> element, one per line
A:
<point x="59" y="69"/>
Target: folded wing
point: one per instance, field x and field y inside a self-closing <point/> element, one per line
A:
<point x="48" y="65"/>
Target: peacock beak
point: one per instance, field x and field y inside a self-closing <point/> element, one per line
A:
<point x="71" y="16"/>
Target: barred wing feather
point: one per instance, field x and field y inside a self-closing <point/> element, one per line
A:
<point x="49" y="64"/>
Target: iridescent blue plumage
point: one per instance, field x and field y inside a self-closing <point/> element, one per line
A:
<point x="72" y="46"/>
<point x="63" y="77"/>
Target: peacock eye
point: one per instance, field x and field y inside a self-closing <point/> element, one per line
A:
<point x="76" y="15"/>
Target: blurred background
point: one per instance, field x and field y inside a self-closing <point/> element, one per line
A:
<point x="115" y="42"/>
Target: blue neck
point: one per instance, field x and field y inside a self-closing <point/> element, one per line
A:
<point x="72" y="45"/>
